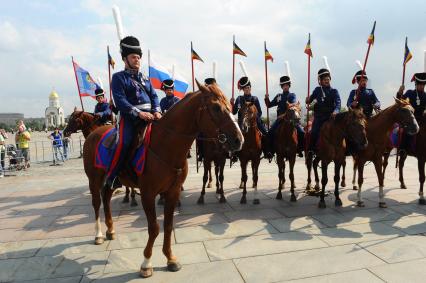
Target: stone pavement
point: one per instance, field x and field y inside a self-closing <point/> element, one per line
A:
<point x="47" y="232"/>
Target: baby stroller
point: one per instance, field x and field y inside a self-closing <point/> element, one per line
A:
<point x="15" y="157"/>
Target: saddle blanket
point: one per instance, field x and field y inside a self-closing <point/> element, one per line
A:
<point x="105" y="151"/>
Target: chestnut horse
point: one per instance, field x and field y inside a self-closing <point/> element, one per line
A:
<point x="252" y="148"/>
<point x="166" y="166"/>
<point x="216" y="153"/>
<point x="87" y="123"/>
<point x="285" y="146"/>
<point x="378" y="131"/>
<point x="419" y="151"/>
<point x="346" y="127"/>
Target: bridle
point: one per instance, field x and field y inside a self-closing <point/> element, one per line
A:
<point x="83" y="127"/>
<point x="248" y="120"/>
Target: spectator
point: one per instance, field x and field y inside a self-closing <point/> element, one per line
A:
<point x="56" y="138"/>
<point x="3" y="137"/>
<point x="22" y="138"/>
<point x="66" y="141"/>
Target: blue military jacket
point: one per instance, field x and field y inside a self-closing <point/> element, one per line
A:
<point x="367" y="99"/>
<point x="281" y="100"/>
<point x="417" y="100"/>
<point x="133" y="93"/>
<point x="167" y="102"/>
<point x="246" y="98"/>
<point x="328" y="101"/>
<point x="103" y="109"/>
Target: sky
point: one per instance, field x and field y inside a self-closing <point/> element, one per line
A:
<point x="38" y="39"/>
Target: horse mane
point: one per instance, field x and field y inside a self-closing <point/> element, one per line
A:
<point x="214" y="88"/>
<point x="402" y="102"/>
<point x="341" y="116"/>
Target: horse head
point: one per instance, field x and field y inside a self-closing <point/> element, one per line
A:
<point x="215" y="118"/>
<point x="292" y="114"/>
<point x="354" y="127"/>
<point x="79" y="120"/>
<point x="405" y="116"/>
<point x="247" y="117"/>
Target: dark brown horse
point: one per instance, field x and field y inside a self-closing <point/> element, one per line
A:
<point x="419" y="151"/>
<point x="166" y="166"/>
<point x="285" y="146"/>
<point x="87" y="123"/>
<point x="252" y="148"/>
<point x="213" y="152"/>
<point x="378" y="130"/>
<point x="346" y="127"/>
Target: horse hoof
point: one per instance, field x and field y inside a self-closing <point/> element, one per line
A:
<point x="422" y="201"/>
<point x="200" y="200"/>
<point x="126" y="200"/>
<point x="293" y="198"/>
<point x="134" y="203"/>
<point x="254" y="186"/>
<point x="321" y="204"/>
<point x="174" y="266"/>
<point x="256" y="201"/>
<point x="343" y="184"/>
<point x="110" y="236"/>
<point x="279" y="196"/>
<point x="360" y="204"/>
<point x="337" y="203"/>
<point x="355" y="188"/>
<point x="382" y="205"/>
<point x="241" y="185"/>
<point x="99" y="240"/>
<point x="317" y="187"/>
<point x="160" y="201"/>
<point x="209" y="185"/>
<point x="243" y="200"/>
<point x="403" y="186"/>
<point x="178" y="203"/>
<point x="308" y="187"/>
<point x="146" y="272"/>
<point x="222" y="199"/>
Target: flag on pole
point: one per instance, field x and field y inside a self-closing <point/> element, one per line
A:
<point x="268" y="55"/>
<point x="370" y="39"/>
<point x="86" y="84"/>
<point x="237" y="50"/>
<point x="308" y="49"/>
<point x="111" y="61"/>
<point x="195" y="56"/>
<point x="407" y="54"/>
<point x="157" y="74"/>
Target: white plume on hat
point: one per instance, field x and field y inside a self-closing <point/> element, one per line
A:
<point x="326" y="63"/>
<point x="359" y="64"/>
<point x="287" y="68"/>
<point x="118" y="22"/>
<point x="424" y="61"/>
<point x="243" y="68"/>
<point x="214" y="70"/>
<point x="100" y="83"/>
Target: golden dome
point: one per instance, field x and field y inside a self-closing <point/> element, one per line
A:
<point x="53" y="94"/>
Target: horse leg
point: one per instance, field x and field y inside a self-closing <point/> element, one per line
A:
<point x="161" y="199"/>
<point x="343" y="183"/>
<point x="308" y="162"/>
<point x="216" y="174"/>
<point x="385" y="162"/>
<point x="221" y="178"/>
<point x="207" y="170"/>
<point x="106" y="201"/>
<point x="281" y="176"/>
<point x="126" y="197"/>
<point x="172" y="196"/>
<point x="291" y="162"/>
<point x="324" y="181"/>
<point x="421" y="167"/>
<point x="354" y="186"/>
<point x="255" y="169"/>
<point x="133" y="195"/>
<point x="244" y="181"/>
<point x="209" y="185"/>
<point x="401" y="169"/>
<point x="317" y="185"/>
<point x="148" y="204"/>
<point x="337" y="201"/>
<point x="96" y="203"/>
<point x="378" y="166"/>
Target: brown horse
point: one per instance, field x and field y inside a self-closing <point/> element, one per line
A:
<point x="378" y="130"/>
<point x="346" y="127"/>
<point x="285" y="146"/>
<point x="166" y="166"/>
<point x="215" y="153"/>
<point x="419" y="151"/>
<point x="87" y="123"/>
<point x="252" y="148"/>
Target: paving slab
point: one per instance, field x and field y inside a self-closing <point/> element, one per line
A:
<point x="409" y="225"/>
<point x="355" y="276"/>
<point x="20" y="249"/>
<point x="410" y="271"/>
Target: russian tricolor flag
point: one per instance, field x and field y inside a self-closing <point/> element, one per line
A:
<point x="157" y="74"/>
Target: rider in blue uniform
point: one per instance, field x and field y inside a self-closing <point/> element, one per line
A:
<point x="102" y="109"/>
<point x="367" y="98"/>
<point x="327" y="105"/>
<point x="417" y="98"/>
<point x="170" y="99"/>
<point x="136" y="102"/>
<point x="244" y="84"/>
<point x="281" y="100"/>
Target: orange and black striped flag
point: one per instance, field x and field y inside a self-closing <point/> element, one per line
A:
<point x="194" y="55"/>
<point x="268" y="56"/>
<point x="407" y="54"/>
<point x="370" y="39"/>
<point x="237" y="50"/>
<point x="111" y="61"/>
<point x="308" y="49"/>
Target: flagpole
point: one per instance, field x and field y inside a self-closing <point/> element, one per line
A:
<point x="193" y="90"/>
<point x="266" y="79"/>
<point x="365" y="63"/>
<point x="400" y="130"/>
<point x="109" y="75"/>
<point x="233" y="70"/>
<point x="403" y="68"/>
<point x="78" y="87"/>
<point x="309" y="91"/>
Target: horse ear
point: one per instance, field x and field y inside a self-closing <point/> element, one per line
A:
<point x="75" y="108"/>
<point x="397" y="100"/>
<point x="201" y="87"/>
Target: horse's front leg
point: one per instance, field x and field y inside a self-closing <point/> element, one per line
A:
<point x="355" y="167"/>
<point x="221" y="178"/>
<point x="207" y="168"/>
<point x="126" y="198"/>
<point x="209" y="185"/>
<point x="343" y="183"/>
<point x="360" y="169"/>
<point x="308" y="161"/>
<point x="243" y="181"/>
<point x="315" y="165"/>
<point x="324" y="181"/>
<point x="106" y="200"/>
<point x="337" y="201"/>
<point x="281" y="177"/>
<point x="133" y="195"/>
<point x="378" y="165"/>
<point x="402" y="159"/>
<point x="291" y="162"/>
<point x="255" y="169"/>
<point x="385" y="161"/>
<point x="421" y="167"/>
<point x="216" y="173"/>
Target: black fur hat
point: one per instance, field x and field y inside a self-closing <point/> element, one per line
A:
<point x="99" y="92"/>
<point x="130" y="45"/>
<point x="323" y="73"/>
<point x="243" y="82"/>
<point x="358" y="76"/>
<point x="419" y="78"/>
<point x="285" y="80"/>
<point x="210" y="81"/>
<point x="167" y="84"/>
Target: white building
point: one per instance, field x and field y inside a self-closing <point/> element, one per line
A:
<point x="54" y="115"/>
